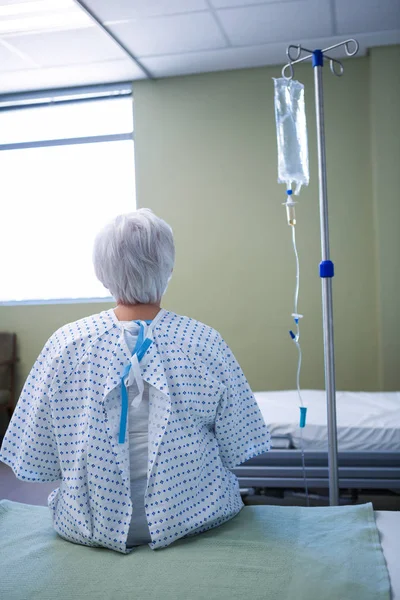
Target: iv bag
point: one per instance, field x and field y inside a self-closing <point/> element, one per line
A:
<point x="291" y="133"/>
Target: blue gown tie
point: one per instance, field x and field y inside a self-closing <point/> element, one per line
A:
<point x="141" y="347"/>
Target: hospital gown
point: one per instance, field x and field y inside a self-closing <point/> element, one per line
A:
<point x="71" y="423"/>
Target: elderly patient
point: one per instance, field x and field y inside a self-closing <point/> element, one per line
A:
<point x="141" y="413"/>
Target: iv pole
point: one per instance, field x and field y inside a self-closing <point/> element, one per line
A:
<point x="326" y="269"/>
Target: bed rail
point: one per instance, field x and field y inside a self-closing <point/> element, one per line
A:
<point x="357" y="470"/>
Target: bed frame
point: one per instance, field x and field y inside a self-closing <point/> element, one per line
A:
<point x="357" y="470"/>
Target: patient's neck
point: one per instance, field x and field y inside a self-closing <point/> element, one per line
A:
<point x="142" y="312"/>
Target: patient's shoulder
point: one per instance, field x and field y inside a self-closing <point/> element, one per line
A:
<point x="74" y="339"/>
<point x="192" y="336"/>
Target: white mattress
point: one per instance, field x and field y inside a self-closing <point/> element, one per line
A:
<point x="388" y="524"/>
<point x="366" y="421"/>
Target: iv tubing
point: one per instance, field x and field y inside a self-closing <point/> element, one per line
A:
<point x="296" y="341"/>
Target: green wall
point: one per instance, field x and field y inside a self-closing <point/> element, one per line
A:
<point x="206" y="162"/>
<point x="35" y="324"/>
<point x="205" y="149"/>
<point x="385" y="149"/>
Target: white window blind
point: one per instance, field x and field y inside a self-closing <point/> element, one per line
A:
<point x="66" y="169"/>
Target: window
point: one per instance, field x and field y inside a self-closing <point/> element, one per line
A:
<point x="67" y="168"/>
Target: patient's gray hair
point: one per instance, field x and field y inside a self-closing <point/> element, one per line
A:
<point x="133" y="257"/>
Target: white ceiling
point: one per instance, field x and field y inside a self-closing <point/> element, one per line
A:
<point x="56" y="43"/>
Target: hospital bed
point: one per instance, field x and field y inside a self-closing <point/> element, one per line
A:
<point x="264" y="553"/>
<point x="368" y="433"/>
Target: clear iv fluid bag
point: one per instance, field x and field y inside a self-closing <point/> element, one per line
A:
<point x="291" y="133"/>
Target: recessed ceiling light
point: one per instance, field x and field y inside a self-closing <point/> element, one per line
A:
<point x="34" y="6"/>
<point x="42" y="15"/>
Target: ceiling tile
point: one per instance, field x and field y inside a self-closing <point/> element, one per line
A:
<point x="246" y="57"/>
<point x="68" y="47"/>
<point x="257" y="56"/>
<point x="230" y="3"/>
<point x="117" y="10"/>
<point x="374" y="16"/>
<point x="268" y="23"/>
<point x="378" y="38"/>
<point x="11" y="61"/>
<point x="214" y="60"/>
<point x="170" y="35"/>
<point x="181" y="37"/>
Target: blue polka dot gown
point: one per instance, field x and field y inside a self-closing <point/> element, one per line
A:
<point x="68" y="425"/>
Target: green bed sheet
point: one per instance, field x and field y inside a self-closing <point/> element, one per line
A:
<point x="265" y="552"/>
